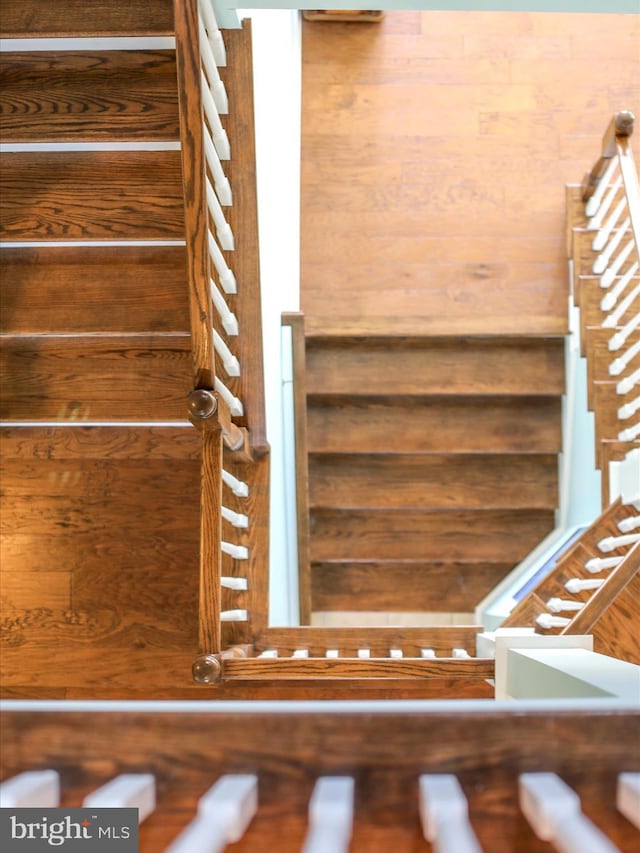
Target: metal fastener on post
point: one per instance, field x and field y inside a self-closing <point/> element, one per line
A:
<point x="202" y="403"/>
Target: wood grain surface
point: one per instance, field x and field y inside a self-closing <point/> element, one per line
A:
<point x="38" y="18"/>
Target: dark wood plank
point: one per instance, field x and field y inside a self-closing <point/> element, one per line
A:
<point x="92" y="195"/>
<point x="436" y="535"/>
<point x="112" y="378"/>
<point x="40" y="19"/>
<point x="434" y="424"/>
<point x="94" y="289"/>
<point x="436" y="366"/>
<point x="392" y="586"/>
<point x="614" y="633"/>
<point x="453" y="480"/>
<point x="384" y="751"/>
<point x="74" y="95"/>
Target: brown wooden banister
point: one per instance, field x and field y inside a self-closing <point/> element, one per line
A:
<point x="620" y="128"/>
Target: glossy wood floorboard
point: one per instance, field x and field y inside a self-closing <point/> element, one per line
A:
<point x="435" y="150"/>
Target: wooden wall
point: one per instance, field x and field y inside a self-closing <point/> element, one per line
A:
<point x="435" y="150"/>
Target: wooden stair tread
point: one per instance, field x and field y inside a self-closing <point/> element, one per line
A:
<point x="434" y="365"/>
<point x="372" y="534"/>
<point x="371" y="326"/>
<point x="88" y="289"/>
<point x="40" y="18"/>
<point x="99" y="377"/>
<point x="404" y="585"/>
<point x="92" y="195"/>
<point x="433" y="480"/>
<point x="78" y="95"/>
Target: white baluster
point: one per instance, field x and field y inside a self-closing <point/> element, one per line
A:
<point x="625" y="385"/>
<point x="553" y="811"/>
<point x="546" y="621"/>
<point x="395" y="653"/>
<point x="218" y="92"/>
<point x="628" y="797"/>
<point x="427" y="653"/>
<point x="558" y="605"/>
<point x="616" y="315"/>
<point x="332" y="653"/>
<point x="127" y="791"/>
<point x="601" y="238"/>
<point x="599" y="564"/>
<point x="462" y="654"/>
<point x="617" y="340"/>
<point x="444" y="814"/>
<point x="611" y="297"/>
<point x="594" y="210"/>
<point x="575" y="585"/>
<point x="618" y="365"/>
<point x="227" y="317"/>
<point x="215" y="36"/>
<point x="364" y="653"/>
<point x="608" y="276"/>
<point x="234" y="616"/>
<point x="229" y="361"/>
<point x="224" y="813"/>
<point x="238" y="519"/>
<point x="269" y="653"/>
<point x="226" y="276"/>
<point x="220" y="180"/>
<point x="223" y="229"/>
<point x="610" y="543"/>
<point x="234" y="583"/>
<point x="238" y="552"/>
<point x="300" y="653"/>
<point x="235" y="405"/>
<point x="629" y="409"/>
<point x="330" y="815"/>
<point x="630" y="434"/>
<point x="602" y="261"/>
<point x="218" y="133"/>
<point x="626" y="525"/>
<point x="31" y="789"/>
<point x="238" y="487"/>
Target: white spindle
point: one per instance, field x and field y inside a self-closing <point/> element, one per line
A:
<point x="218" y="133"/>
<point x="444" y="814"/>
<point x="395" y="654"/>
<point x="559" y="605"/>
<point x="628" y="797"/>
<point x="33" y="789"/>
<point x="599" y="564"/>
<point x="631" y="522"/>
<point x="224" y="813"/>
<point x="300" y="653"/>
<point x="238" y="519"/>
<point x="617" y="341"/>
<point x="546" y="621"/>
<point x="602" y="261"/>
<point x="593" y="207"/>
<point x="630" y="434"/>
<point x="611" y="297"/>
<point x="332" y="653"/>
<point x="223" y="229"/>
<point x="620" y="310"/>
<point x="227" y="278"/>
<point x="216" y="85"/>
<point x="575" y="585"/>
<point x="628" y="382"/>
<point x="235" y="405"/>
<point x="215" y="36"/>
<point x="364" y="653"/>
<point x="427" y="653"/>
<point x="461" y="654"/>
<point x="238" y="552"/>
<point x="234" y="616"/>
<point x="608" y="276"/>
<point x="269" y="653"/>
<point x="610" y="543"/>
<point x="629" y="409"/>
<point x="619" y="364"/>
<point x="238" y="584"/>
<point x="602" y="237"/>
<point x="229" y="361"/>
<point x="127" y="791"/>
<point x="220" y="180"/>
<point x="330" y="815"/>
<point x="239" y="488"/>
<point x="227" y="317"/>
<point x="554" y="813"/>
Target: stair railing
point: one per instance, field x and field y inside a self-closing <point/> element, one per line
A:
<point x="214" y="401"/>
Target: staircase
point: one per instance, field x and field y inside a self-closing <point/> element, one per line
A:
<point x="432" y="465"/>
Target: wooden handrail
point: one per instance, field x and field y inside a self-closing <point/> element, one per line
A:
<point x="620" y="127"/>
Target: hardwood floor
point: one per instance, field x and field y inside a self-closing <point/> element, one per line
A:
<point x="435" y="149"/>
